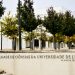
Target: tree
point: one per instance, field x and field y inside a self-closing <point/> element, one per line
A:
<point x="28" y="36"/>
<point x="69" y="26"/>
<point x="59" y="39"/>
<point x="59" y="36"/>
<point x="1" y="13"/>
<point x="28" y="20"/>
<point x="73" y="38"/>
<point x="1" y="9"/>
<point x="10" y="29"/>
<point x="39" y="20"/>
<point x="52" y="23"/>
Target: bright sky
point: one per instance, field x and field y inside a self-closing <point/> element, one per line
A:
<point x="41" y="6"/>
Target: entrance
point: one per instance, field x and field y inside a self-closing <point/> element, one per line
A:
<point x="36" y="43"/>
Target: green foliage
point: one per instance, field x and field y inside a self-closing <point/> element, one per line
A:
<point x="9" y="26"/>
<point x="39" y="20"/>
<point x="60" y="24"/>
<point x="43" y="37"/>
<point x="73" y="38"/>
<point x="28" y="20"/>
<point x="50" y="38"/>
<point x="1" y="9"/>
<point x="69" y="24"/>
<point x="69" y="39"/>
<point x="33" y="35"/>
<point x="59" y="38"/>
<point x="30" y="36"/>
<point x="52" y="22"/>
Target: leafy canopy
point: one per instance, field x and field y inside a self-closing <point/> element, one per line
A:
<point x="1" y="9"/>
<point x="28" y="20"/>
<point x="9" y="26"/>
<point x="69" y="24"/>
<point x="52" y="21"/>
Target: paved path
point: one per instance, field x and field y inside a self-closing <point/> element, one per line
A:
<point x="39" y="51"/>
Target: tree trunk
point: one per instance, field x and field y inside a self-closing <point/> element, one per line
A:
<point x="31" y="45"/>
<point x="31" y="42"/>
<point x="69" y="44"/>
<point x="59" y="45"/>
<point x="13" y="43"/>
<point x="54" y="41"/>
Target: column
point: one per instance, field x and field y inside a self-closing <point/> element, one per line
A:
<point x="17" y="44"/>
<point x="39" y="44"/>
<point x="33" y="43"/>
<point x="46" y="44"/>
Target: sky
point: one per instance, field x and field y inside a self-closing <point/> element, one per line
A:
<point x="41" y="6"/>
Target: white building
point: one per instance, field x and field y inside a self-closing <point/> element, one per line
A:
<point x="36" y="43"/>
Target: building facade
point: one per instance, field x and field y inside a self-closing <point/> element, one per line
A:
<point x="38" y="41"/>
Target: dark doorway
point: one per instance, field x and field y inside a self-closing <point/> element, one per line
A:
<point x="36" y="43"/>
